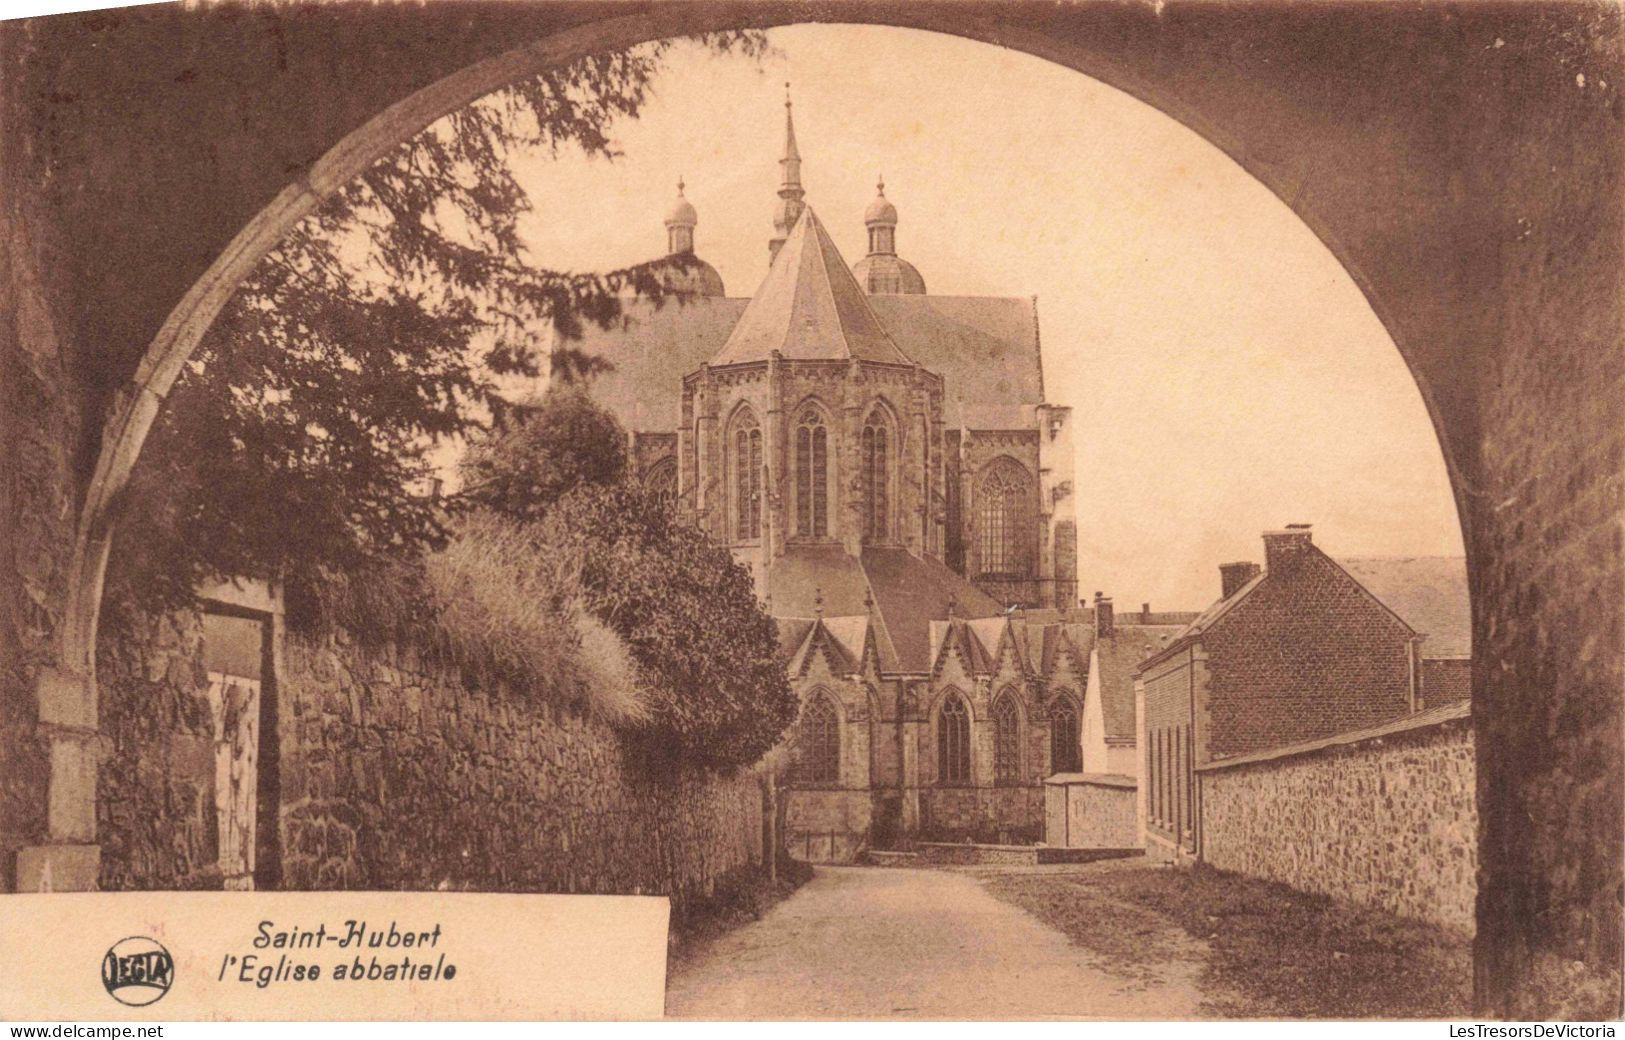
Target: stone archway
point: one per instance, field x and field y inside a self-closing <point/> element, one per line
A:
<point x="1497" y="280"/>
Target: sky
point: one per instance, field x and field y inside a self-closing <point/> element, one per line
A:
<point x="1226" y="374"/>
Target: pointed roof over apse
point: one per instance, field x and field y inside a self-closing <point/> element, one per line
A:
<point x="809" y="307"/>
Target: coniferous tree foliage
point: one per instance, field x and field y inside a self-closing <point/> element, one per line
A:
<point x="295" y="444"/>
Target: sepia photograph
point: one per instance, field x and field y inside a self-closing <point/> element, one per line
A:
<point x="534" y="510"/>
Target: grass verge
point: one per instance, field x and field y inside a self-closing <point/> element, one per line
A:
<point x="1275" y="952"/>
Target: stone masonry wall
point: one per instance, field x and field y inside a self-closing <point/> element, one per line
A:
<point x="155" y="797"/>
<point x="1388" y="822"/>
<point x="395" y="774"/>
<point x="1083" y="814"/>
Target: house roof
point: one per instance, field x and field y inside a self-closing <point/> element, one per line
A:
<point x="809" y="307"/>
<point x="1428" y="592"/>
<point x="1416" y="590"/>
<point x="985" y="348"/>
<point x="1119" y="656"/>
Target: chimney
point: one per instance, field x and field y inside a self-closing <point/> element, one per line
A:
<point x="1145" y="613"/>
<point x="1103" y="616"/>
<point x="1285" y="549"/>
<point x="1232" y="576"/>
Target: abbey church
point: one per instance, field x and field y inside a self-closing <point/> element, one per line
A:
<point x="885" y="463"/>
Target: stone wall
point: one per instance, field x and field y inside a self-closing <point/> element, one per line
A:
<point x="1090" y="812"/>
<point x="1387" y="820"/>
<point x="155" y="790"/>
<point x="396" y="773"/>
<point x="992" y="815"/>
<point x="826" y="826"/>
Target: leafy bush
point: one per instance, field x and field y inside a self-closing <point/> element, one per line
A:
<point x="542" y="453"/>
<point x="713" y="689"/>
<point x="717" y="694"/>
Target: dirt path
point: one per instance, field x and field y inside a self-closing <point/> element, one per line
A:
<point x="874" y="943"/>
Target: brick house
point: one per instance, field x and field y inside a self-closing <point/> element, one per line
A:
<point x="1292" y="652"/>
<point x="1430" y="593"/>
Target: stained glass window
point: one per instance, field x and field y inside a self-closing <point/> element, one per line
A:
<point x="1006" y="740"/>
<point x="876" y="478"/>
<point x="747" y="449"/>
<point x="1064" y="752"/>
<point x="1004" y="515"/>
<point x="818" y="741"/>
<point x="812" y="475"/>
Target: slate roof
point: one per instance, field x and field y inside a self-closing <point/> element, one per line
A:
<point x="1429" y="592"/>
<point x="1119" y="656"/>
<point x="809" y="307"/>
<point x="984" y="347"/>
<point x="910" y="592"/>
<point x="652" y="348"/>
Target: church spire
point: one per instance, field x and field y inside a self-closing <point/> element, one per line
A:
<point x="790" y="190"/>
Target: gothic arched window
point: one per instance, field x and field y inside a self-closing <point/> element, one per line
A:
<point x="818" y="741"/>
<point x="877" y="449"/>
<point x="1064" y="754"/>
<point x="661" y="480"/>
<point x="953" y="741"/>
<point x="1004" y="513"/>
<point x="747" y="477"/>
<point x="1006" y="740"/>
<point x="812" y="474"/>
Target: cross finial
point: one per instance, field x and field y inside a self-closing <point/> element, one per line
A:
<point x="786" y="93"/>
<point x="880" y="184"/>
<point x="868" y="601"/>
<point x="680" y="184"/>
<point x="818" y="600"/>
<point x="953" y="607"/>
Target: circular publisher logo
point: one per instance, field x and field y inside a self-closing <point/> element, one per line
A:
<point x="137" y="971"/>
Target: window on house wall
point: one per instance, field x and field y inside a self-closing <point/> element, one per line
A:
<point x="1006" y="740"/>
<point x="877" y="447"/>
<point x="818" y="741"/>
<point x="1065" y="755"/>
<point x="953" y="741"/>
<point x="812" y="475"/>
<point x="1187" y="794"/>
<point x="661" y="480"/>
<point x="1174" y="780"/>
<point x="1004" y="501"/>
<point x="1161" y="776"/>
<point x="747" y="451"/>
